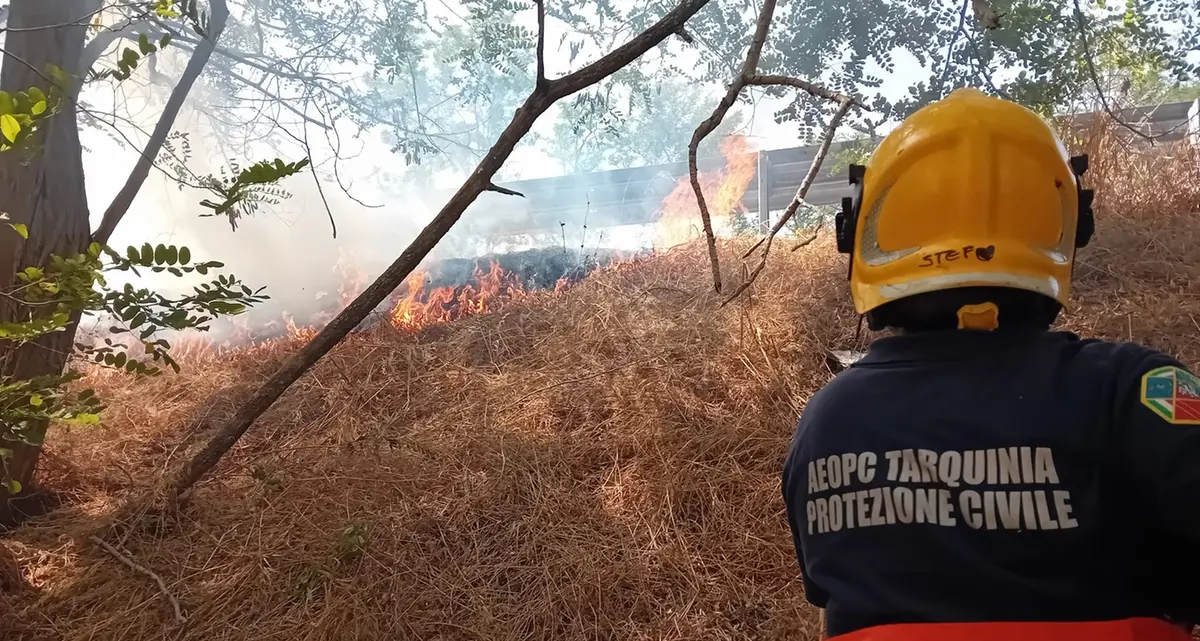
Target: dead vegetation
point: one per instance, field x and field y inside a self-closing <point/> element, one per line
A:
<point x="601" y="464"/>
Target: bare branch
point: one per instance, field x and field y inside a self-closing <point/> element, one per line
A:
<point x="813" y="236"/>
<point x="503" y="190"/>
<point x="129" y="563"/>
<point x="535" y="105"/>
<point x="335" y="142"/>
<point x="1080" y="21"/>
<point x="312" y="168"/>
<point x="128" y="28"/>
<point x="809" y="179"/>
<point x="218" y="15"/>
<point x="748" y="76"/>
<point x="816" y="91"/>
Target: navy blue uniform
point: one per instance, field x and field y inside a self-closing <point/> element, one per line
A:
<point x="1012" y="475"/>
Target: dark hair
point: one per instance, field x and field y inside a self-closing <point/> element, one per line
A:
<point x="936" y="311"/>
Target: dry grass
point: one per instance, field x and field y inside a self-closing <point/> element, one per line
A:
<point x="597" y="465"/>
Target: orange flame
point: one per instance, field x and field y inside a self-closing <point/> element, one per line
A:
<point x="723" y="191"/>
<point x="419" y="308"/>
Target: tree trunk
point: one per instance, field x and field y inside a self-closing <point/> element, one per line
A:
<point x="44" y="189"/>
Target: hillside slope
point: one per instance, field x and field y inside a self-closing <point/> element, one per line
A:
<point x="599" y="464"/>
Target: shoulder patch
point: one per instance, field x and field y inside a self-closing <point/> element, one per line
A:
<point x="1173" y="393"/>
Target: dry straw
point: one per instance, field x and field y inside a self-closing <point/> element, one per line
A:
<point x="601" y="464"/>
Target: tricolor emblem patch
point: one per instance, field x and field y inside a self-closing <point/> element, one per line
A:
<point x="1173" y="394"/>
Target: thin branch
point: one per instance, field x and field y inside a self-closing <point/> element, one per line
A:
<point x="982" y="70"/>
<point x="274" y="98"/>
<point x="814" y="90"/>
<point x="748" y="76"/>
<point x="218" y="14"/>
<point x="101" y="41"/>
<point x="522" y="121"/>
<point x="709" y="125"/>
<point x="129" y="563"/>
<point x="312" y="167"/>
<point x="336" y="144"/>
<point x="801" y="193"/>
<point x="808" y="241"/>
<point x="1080" y="21"/>
<point x="73" y="23"/>
<point x="503" y="190"/>
<point x="962" y="20"/>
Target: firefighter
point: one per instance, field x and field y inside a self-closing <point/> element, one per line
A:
<point x="976" y="475"/>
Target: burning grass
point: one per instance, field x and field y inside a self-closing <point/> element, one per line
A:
<point x="598" y="464"/>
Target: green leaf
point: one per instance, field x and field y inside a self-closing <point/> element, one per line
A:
<point x="10" y="127"/>
<point x="38" y="108"/>
<point x="35" y="400"/>
<point x="21" y="229"/>
<point x="147" y="254"/>
<point x="160" y="254"/>
<point x="129" y="58"/>
<point x="145" y="45"/>
<point x="14" y="487"/>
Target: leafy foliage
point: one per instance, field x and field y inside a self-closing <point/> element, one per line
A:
<point x="1035" y="57"/>
<point x="51" y="298"/>
<point x="21" y="114"/>
<point x="242" y="193"/>
<point x="130" y="58"/>
<point x="54" y="296"/>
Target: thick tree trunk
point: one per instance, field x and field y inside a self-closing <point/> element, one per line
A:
<point x="44" y="190"/>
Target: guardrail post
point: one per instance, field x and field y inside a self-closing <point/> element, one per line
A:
<point x="1192" y="130"/>
<point x="764" y="192"/>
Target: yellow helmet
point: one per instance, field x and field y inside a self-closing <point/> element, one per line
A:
<point x="971" y="191"/>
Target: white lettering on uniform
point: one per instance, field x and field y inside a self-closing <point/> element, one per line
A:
<point x="1029" y="509"/>
<point x="1044" y="462"/>
<point x="971" y="506"/>
<point x="866" y="467"/>
<point x="893" y="459"/>
<point x="929" y="464"/>
<point x="950" y="468"/>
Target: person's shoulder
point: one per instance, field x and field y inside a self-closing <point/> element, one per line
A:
<point x="844" y="388"/>
<point x="1132" y="372"/>
<point x="1123" y="357"/>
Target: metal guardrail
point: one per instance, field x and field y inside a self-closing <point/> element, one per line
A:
<point x="635" y="196"/>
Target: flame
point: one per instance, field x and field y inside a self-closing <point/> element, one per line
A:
<point x="420" y="308"/>
<point x="723" y="191"/>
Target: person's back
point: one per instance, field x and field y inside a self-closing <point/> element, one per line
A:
<point x="993" y="476"/>
<point x="978" y="476"/>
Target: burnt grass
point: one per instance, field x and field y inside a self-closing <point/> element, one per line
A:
<point x="538" y="268"/>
